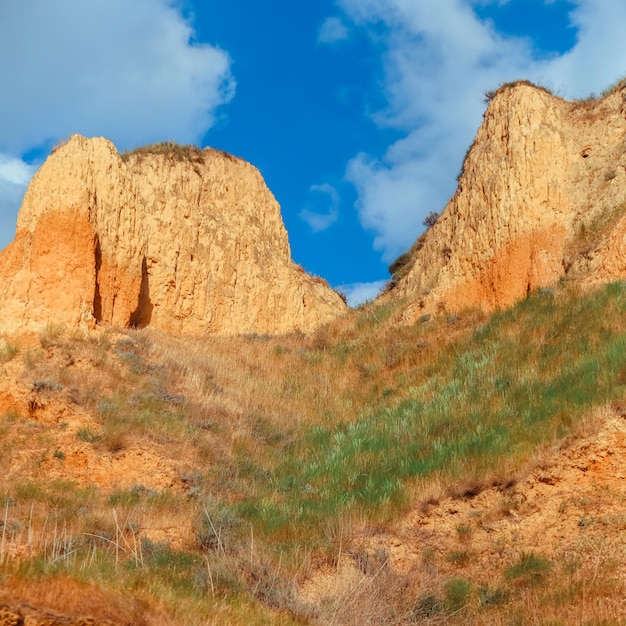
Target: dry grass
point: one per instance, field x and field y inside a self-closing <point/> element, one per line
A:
<point x="275" y="452"/>
<point x="591" y="233"/>
<point x="71" y="597"/>
<point x="175" y="152"/>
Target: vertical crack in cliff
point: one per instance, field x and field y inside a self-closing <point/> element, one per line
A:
<point x="141" y="316"/>
<point x="97" y="298"/>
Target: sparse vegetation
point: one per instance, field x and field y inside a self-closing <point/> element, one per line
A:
<point x="51" y="334"/>
<point x="431" y="219"/>
<point x="400" y="264"/>
<point x="87" y="435"/>
<point x="590" y="233"/>
<point x="169" y="149"/>
<point x="616" y="86"/>
<point x="490" y="95"/>
<point x="529" y="569"/>
<point x="267" y="457"/>
<point x="8" y="352"/>
<point x="404" y="263"/>
<point x="176" y="152"/>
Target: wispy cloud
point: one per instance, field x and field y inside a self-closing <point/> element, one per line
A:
<point x="15" y="171"/>
<point x="131" y="71"/>
<point x="438" y="60"/>
<point x="332" y="31"/>
<point x="14" y="177"/>
<point x="325" y="211"/>
<point x="359" y="293"/>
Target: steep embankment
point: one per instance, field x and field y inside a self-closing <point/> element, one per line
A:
<point x="541" y="195"/>
<point x="186" y="240"/>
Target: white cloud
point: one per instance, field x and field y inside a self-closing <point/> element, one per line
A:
<point x="332" y="31"/>
<point x="599" y="57"/>
<point x="439" y="58"/>
<point x="15" y="171"/>
<point x="316" y="219"/>
<point x="131" y="71"/>
<point x="14" y="177"/>
<point x="359" y="293"/>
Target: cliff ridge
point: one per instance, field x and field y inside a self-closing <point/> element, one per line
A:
<point x="541" y="196"/>
<point x="185" y="240"/>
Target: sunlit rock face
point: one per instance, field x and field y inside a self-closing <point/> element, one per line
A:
<point x="185" y="240"/>
<point x="541" y="195"/>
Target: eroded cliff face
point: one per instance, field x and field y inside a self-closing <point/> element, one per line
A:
<point x="542" y="195"/>
<point x="186" y="240"/>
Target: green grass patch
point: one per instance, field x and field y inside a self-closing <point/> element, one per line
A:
<point x="521" y="380"/>
<point x="529" y="569"/>
<point x="88" y="435"/>
<point x="140" y="415"/>
<point x="65" y="497"/>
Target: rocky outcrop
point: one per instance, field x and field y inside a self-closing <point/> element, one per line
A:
<point x="541" y="195"/>
<point x="186" y="240"/>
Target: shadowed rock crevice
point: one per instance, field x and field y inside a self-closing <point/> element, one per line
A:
<point x="97" y="298"/>
<point x="141" y="316"/>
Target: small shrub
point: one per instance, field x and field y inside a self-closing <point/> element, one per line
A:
<point x="114" y="439"/>
<point x="11" y="415"/>
<point x="135" y="362"/>
<point x="490" y="95"/>
<point x="431" y="219"/>
<point x="465" y="532"/>
<point x="492" y="597"/>
<point x="216" y="527"/>
<point x="426" y="607"/>
<point x="88" y="436"/>
<point x="31" y="358"/>
<point x="51" y="334"/>
<point x="459" y="558"/>
<point x="530" y="569"/>
<point x="8" y="352"/>
<point x="40" y="386"/>
<point x="59" y="454"/>
<point x="270" y="589"/>
<point x="456" y="594"/>
<point x="399" y="263"/>
<point x="125" y="497"/>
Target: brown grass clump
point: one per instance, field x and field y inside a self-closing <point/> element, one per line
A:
<point x="175" y="152"/>
<point x="168" y="149"/>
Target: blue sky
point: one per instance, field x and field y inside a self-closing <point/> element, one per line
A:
<point x="357" y="112"/>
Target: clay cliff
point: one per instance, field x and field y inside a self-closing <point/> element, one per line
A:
<point x="542" y="195"/>
<point x="186" y="240"/>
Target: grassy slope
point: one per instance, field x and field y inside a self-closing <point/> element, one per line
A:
<point x="287" y="440"/>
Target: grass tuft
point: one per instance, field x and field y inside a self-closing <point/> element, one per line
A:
<point x="530" y="569"/>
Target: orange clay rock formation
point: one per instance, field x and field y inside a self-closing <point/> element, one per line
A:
<point x="541" y="195"/>
<point x="186" y="240"/>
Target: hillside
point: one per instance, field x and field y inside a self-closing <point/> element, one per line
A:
<point x="389" y="467"/>
<point x="370" y="473"/>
